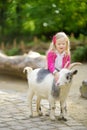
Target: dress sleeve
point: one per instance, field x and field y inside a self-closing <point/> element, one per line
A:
<point x="51" y="61"/>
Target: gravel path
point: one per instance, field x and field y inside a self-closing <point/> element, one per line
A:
<point x="77" y="106"/>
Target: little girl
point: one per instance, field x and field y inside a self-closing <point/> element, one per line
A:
<point x="58" y="55"/>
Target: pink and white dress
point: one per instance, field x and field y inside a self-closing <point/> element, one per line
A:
<point x="56" y="61"/>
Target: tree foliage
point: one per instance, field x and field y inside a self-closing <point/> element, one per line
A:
<point x="42" y="18"/>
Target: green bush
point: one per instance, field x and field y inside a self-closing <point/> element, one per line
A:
<point x="80" y="54"/>
<point x="12" y="52"/>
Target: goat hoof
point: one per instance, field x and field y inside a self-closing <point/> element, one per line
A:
<point x="62" y="118"/>
<point x="52" y="118"/>
<point x="30" y="116"/>
<point x="40" y="114"/>
<point x="47" y="114"/>
<point x="59" y="118"/>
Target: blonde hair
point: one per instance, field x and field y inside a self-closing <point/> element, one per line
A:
<point x="58" y="36"/>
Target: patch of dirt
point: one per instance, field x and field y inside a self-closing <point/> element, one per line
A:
<point x="77" y="106"/>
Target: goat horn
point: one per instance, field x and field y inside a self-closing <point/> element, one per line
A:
<point x="74" y="64"/>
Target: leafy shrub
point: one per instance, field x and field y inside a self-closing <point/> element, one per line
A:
<point x="80" y="54"/>
<point x="12" y="52"/>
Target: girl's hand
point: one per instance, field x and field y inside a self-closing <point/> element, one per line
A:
<point x="56" y="76"/>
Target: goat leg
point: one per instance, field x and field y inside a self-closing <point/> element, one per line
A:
<point x="38" y="107"/>
<point x="52" y="108"/>
<point x="63" y="109"/>
<point x="30" y="96"/>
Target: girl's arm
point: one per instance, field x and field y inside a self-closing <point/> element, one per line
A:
<point x="67" y="62"/>
<point x="51" y="61"/>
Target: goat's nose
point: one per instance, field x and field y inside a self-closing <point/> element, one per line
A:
<point x="57" y="84"/>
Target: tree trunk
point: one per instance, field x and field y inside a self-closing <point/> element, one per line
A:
<point x="14" y="65"/>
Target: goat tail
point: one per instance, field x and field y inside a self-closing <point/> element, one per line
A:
<point x="28" y="69"/>
<point x="74" y="64"/>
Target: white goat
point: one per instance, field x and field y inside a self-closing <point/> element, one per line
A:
<point x="41" y="83"/>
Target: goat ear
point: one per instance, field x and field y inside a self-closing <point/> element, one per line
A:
<point x="74" y="72"/>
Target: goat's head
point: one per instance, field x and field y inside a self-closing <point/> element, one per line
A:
<point x="65" y="76"/>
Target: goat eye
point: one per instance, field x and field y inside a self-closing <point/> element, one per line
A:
<point x="67" y="77"/>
